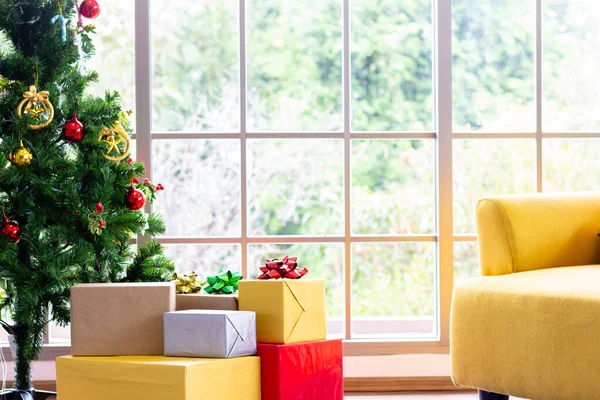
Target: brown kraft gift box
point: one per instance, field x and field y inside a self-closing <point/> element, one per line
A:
<point x="205" y="301"/>
<point x="111" y="319"/>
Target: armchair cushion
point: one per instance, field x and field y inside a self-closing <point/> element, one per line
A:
<point x="534" y="334"/>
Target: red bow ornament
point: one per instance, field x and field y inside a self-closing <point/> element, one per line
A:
<point x="285" y="268"/>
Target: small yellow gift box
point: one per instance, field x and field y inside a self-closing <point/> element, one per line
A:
<point x="157" y="378"/>
<point x="287" y="311"/>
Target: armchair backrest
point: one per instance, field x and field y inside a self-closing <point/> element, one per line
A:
<point x="519" y="233"/>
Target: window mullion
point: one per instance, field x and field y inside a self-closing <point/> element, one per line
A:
<point x="443" y="85"/>
<point x="538" y="93"/>
<point x="143" y="90"/>
<point x="347" y="172"/>
<point x="243" y="137"/>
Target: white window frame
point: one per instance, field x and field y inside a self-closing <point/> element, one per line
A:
<point x="443" y="134"/>
<point x="436" y="343"/>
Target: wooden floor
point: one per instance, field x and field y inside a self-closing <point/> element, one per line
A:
<point x="414" y="396"/>
<point x="417" y="396"/>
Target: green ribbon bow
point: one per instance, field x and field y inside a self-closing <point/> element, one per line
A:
<point x="223" y="282"/>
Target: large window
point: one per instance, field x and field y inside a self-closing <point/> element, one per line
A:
<point x="354" y="134"/>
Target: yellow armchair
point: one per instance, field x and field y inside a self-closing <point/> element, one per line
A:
<point x="530" y="326"/>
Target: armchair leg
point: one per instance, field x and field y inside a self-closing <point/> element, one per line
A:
<point x="483" y="395"/>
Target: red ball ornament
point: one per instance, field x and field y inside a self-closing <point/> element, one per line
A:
<point x="72" y="131"/>
<point x="11" y="230"/>
<point x="135" y="199"/>
<point x="89" y="9"/>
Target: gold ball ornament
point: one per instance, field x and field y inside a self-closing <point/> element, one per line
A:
<point x="37" y="104"/>
<point x="21" y="157"/>
<point x="117" y="142"/>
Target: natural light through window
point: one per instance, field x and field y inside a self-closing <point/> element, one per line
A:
<point x="316" y="129"/>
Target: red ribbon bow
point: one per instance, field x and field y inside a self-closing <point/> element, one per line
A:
<point x="285" y="268"/>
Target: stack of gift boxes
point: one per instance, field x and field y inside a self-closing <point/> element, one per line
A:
<point x="144" y="341"/>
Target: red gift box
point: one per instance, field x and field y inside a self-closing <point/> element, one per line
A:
<point x="302" y="371"/>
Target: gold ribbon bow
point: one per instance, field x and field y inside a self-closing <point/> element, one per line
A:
<point x="32" y="96"/>
<point x="32" y="99"/>
<point x="185" y="284"/>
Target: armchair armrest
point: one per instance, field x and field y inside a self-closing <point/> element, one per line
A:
<point x="527" y="232"/>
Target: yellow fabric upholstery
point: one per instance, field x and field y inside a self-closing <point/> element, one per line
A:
<point x="534" y="335"/>
<point x="528" y="232"/>
<point x="531" y="327"/>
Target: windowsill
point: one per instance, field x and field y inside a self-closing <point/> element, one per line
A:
<point x="401" y="365"/>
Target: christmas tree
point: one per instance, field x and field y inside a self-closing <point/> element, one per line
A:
<point x="70" y="194"/>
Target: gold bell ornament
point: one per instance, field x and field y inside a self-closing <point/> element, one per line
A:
<point x="21" y="157"/>
<point x="37" y="104"/>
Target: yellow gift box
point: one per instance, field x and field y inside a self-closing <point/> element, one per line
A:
<point x="287" y="311"/>
<point x="157" y="378"/>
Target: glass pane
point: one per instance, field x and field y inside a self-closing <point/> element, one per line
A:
<point x="571" y="47"/>
<point x="486" y="167"/>
<point x="493" y="74"/>
<point x="294" y="65"/>
<point x="6" y="317"/>
<point x="393" y="186"/>
<point x="392" y="76"/>
<point x="571" y="164"/>
<point x="466" y="261"/>
<point x="59" y="334"/>
<point x="202" y="186"/>
<point x="295" y="187"/>
<point x="324" y="261"/>
<point x="5" y="44"/>
<point x="195" y="82"/>
<point x="133" y="150"/>
<point x="115" y="52"/>
<point x="205" y="260"/>
<point x="393" y="290"/>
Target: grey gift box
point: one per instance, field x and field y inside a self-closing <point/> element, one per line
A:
<point x="210" y="333"/>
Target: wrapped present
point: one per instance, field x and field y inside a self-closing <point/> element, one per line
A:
<point x="203" y="301"/>
<point x="210" y="333"/>
<point x="157" y="378"/>
<point x="223" y="282"/>
<point x="187" y="283"/>
<point x="317" y="371"/>
<point x="119" y="318"/>
<point x="287" y="311"/>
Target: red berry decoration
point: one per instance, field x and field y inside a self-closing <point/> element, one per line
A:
<point x="135" y="199"/>
<point x="72" y="131"/>
<point x="159" y="187"/>
<point x="89" y="9"/>
<point x="102" y="224"/>
<point x="99" y="208"/>
<point x="11" y="230"/>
